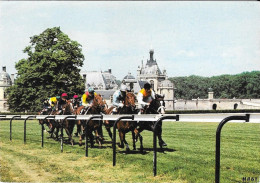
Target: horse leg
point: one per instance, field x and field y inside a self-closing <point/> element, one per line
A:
<point x="159" y="135"/>
<point x="121" y="136"/>
<point x="107" y="126"/>
<point x="57" y="132"/>
<point x="71" y="125"/>
<point x="78" y="130"/>
<point x="133" y="137"/>
<point x="98" y="139"/>
<point x="109" y="132"/>
<point x="125" y="142"/>
<point x="100" y="131"/>
<point x="82" y="135"/>
<point x="137" y="134"/>
<point x="91" y="138"/>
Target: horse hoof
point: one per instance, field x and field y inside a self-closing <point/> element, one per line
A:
<point x="127" y="150"/>
<point x="162" y="143"/>
<point x="121" y="146"/>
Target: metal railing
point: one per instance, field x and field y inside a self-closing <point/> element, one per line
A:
<point x="117" y="118"/>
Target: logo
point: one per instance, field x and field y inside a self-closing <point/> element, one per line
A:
<point x="250" y="180"/>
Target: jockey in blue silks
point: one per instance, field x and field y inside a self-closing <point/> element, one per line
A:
<point x="119" y="98"/>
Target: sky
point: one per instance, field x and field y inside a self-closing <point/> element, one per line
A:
<point x="205" y="38"/>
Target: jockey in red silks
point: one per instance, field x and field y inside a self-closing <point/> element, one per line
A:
<point x="76" y="102"/>
<point x="62" y="101"/>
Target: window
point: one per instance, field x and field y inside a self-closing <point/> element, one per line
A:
<point x="235" y="106"/>
<point x="214" y="107"/>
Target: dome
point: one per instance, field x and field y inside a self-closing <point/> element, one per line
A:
<point x="166" y="83"/>
<point x="5" y="78"/>
<point x="129" y="76"/>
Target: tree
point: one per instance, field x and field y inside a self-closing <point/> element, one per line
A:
<point x="244" y="85"/>
<point x="50" y="69"/>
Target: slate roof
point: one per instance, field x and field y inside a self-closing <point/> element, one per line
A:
<point x="105" y="93"/>
<point x="96" y="80"/>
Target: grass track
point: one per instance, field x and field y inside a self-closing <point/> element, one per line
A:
<point x="189" y="156"/>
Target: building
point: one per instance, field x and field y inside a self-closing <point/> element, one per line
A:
<point x="104" y="83"/>
<point x="151" y="73"/>
<point x="5" y="82"/>
<point x="216" y="104"/>
<point x="99" y="80"/>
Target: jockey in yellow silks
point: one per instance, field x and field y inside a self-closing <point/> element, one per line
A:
<point x="145" y="96"/>
<point x="53" y="102"/>
<point x="87" y="97"/>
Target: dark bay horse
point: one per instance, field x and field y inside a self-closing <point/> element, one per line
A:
<point x="157" y="106"/>
<point x="125" y="126"/>
<point x="68" y="125"/>
<point x="98" y="106"/>
<point x="45" y="111"/>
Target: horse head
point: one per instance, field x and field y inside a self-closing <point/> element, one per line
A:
<point x="157" y="106"/>
<point x="98" y="103"/>
<point x="67" y="108"/>
<point x="130" y="101"/>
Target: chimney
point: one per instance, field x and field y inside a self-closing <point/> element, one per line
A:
<point x="110" y="71"/>
<point x="12" y="78"/>
<point x="4" y="68"/>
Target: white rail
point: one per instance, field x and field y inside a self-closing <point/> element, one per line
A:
<point x="205" y="117"/>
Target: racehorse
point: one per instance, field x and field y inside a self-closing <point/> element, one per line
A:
<point x="125" y="126"/>
<point x="45" y="111"/>
<point x="98" y="106"/>
<point x="68" y="125"/>
<point x="157" y="106"/>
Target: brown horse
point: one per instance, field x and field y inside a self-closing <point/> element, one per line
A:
<point x="125" y="126"/>
<point x="68" y="125"/>
<point x="98" y="106"/>
<point x="45" y="111"/>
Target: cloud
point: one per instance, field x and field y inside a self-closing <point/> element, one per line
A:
<point x="187" y="53"/>
<point x="232" y="52"/>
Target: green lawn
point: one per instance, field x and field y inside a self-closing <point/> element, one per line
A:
<point x="189" y="156"/>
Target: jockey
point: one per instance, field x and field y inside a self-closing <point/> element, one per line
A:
<point x="53" y="102"/>
<point x="119" y="98"/>
<point x="46" y="106"/>
<point x="62" y="101"/>
<point x="87" y="98"/>
<point x="76" y="101"/>
<point x="145" y="96"/>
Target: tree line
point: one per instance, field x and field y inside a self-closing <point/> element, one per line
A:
<point x="245" y="85"/>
